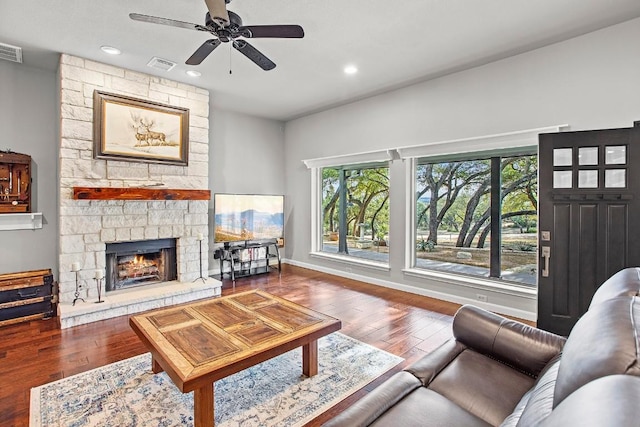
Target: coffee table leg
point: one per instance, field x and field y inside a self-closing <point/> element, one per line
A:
<point x="155" y="366"/>
<point x="310" y="359"/>
<point x="203" y="406"/>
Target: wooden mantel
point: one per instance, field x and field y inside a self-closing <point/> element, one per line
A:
<point x="134" y="193"/>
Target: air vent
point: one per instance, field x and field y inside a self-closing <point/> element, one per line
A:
<point x="10" y="53"/>
<point x="161" y="64"/>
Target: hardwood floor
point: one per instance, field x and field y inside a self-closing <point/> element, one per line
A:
<point x="38" y="352"/>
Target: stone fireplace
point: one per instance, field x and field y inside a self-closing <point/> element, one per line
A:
<point x="90" y="230"/>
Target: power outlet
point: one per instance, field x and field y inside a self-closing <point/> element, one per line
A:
<point x="482" y="298"/>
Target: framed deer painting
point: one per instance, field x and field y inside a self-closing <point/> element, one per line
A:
<point x="131" y="129"/>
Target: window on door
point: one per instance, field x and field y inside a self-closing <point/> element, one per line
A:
<point x="454" y="217"/>
<point x="594" y="171"/>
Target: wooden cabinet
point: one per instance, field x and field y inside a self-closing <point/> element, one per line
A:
<point x="248" y="258"/>
<point x="15" y="182"/>
<point x="26" y="296"/>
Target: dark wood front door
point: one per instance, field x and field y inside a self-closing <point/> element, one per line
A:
<point x="589" y="218"/>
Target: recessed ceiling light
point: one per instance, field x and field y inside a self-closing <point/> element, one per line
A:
<point x="350" y="69"/>
<point x="110" y="50"/>
<point x="194" y="73"/>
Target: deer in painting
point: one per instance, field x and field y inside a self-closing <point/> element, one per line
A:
<point x="142" y="137"/>
<point x="136" y="125"/>
<point x="151" y="135"/>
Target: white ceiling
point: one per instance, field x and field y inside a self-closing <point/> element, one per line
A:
<point x="392" y="43"/>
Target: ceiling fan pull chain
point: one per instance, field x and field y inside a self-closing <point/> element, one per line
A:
<point x="230" y="58"/>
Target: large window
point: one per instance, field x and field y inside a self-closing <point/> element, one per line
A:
<point x="478" y="217"/>
<point x="355" y="211"/>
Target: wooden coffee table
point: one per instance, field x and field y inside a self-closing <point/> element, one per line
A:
<point x="199" y="343"/>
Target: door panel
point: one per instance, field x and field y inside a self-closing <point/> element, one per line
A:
<point x="589" y="212"/>
<point x="587" y="254"/>
<point x="560" y="258"/>
<point x="617" y="230"/>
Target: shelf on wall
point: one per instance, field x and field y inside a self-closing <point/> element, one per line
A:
<point x="132" y="193"/>
<point x="21" y="221"/>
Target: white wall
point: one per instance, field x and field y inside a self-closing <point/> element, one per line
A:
<point x="589" y="82"/>
<point x="29" y="125"/>
<point x="246" y="156"/>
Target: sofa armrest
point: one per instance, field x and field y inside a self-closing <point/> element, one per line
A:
<point x="373" y="405"/>
<point x="522" y="346"/>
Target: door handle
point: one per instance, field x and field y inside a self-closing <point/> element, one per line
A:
<point x="546" y="258"/>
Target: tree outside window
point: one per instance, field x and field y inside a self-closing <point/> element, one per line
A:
<point x="355" y="212"/>
<point x="454" y="216"/>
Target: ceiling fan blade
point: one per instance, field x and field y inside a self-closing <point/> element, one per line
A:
<point x="202" y="52"/>
<point x="218" y="11"/>
<point x="254" y="54"/>
<point x="164" y="21"/>
<point x="281" y="31"/>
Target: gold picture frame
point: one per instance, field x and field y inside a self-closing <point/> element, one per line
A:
<point x="131" y="129"/>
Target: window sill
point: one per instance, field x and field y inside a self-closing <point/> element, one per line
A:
<point x="475" y="282"/>
<point x="351" y="261"/>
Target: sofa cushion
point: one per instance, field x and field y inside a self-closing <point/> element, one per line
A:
<point x="625" y="282"/>
<point x="426" y="408"/>
<point x="608" y="401"/>
<point x="603" y="342"/>
<point x="483" y="386"/>
<point x="366" y="410"/>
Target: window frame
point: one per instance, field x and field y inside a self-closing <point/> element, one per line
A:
<point x="495" y="252"/>
<point x="495" y="268"/>
<point x="381" y="158"/>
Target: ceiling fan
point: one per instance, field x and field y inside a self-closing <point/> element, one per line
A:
<point x="227" y="26"/>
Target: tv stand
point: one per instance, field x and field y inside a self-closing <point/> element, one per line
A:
<point x="240" y="259"/>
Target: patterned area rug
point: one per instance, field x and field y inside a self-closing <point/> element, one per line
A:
<point x="273" y="393"/>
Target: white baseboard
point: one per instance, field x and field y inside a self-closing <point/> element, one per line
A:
<point x="497" y="308"/>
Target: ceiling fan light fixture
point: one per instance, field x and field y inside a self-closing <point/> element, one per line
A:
<point x="350" y="70"/>
<point x="110" y="50"/>
<point x="194" y="73"/>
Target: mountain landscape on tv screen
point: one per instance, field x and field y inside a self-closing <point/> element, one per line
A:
<point x="250" y="224"/>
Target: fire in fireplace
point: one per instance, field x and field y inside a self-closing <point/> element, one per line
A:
<point x="139" y="263"/>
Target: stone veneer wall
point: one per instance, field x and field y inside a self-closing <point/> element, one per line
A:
<point x="86" y="226"/>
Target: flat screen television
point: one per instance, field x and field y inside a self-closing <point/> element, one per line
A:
<point x="242" y="217"/>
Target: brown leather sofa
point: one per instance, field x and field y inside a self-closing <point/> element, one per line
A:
<point x="499" y="372"/>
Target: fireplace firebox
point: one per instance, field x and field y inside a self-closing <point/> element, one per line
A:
<point x="139" y="263"/>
